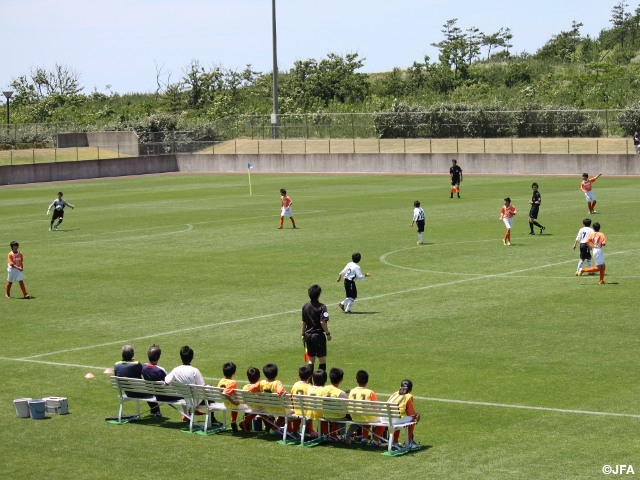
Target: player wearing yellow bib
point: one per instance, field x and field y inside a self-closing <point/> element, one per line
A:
<point x="301" y="387"/>
<point x="272" y="385"/>
<point x="361" y="392"/>
<point x="404" y="399"/>
<point x="319" y="381"/>
<point x="336" y="375"/>
<point x="229" y="384"/>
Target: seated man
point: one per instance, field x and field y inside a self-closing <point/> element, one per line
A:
<point x="153" y="371"/>
<point x="129" y="367"/>
<point x="186" y="373"/>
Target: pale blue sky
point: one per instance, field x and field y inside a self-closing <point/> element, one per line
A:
<point x="121" y="43"/>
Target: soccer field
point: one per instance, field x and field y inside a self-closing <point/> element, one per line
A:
<point x="520" y="369"/>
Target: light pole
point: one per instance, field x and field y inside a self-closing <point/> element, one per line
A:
<point x="8" y="95"/>
<point x="274" y="115"/>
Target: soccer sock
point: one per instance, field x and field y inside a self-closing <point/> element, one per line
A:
<point x="602" y="273"/>
<point x="8" y="289"/>
<point x="588" y="263"/>
<point x="281" y="220"/>
<point x="537" y="225"/>
<point x="322" y="366"/>
<point x="580" y="262"/>
<point x="593" y="204"/>
<point x="293" y="222"/>
<point x="23" y="288"/>
<point x="531" y="226"/>
<point x="508" y="235"/>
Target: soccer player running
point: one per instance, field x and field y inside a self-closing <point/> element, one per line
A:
<point x="351" y="272"/>
<point x="536" y="200"/>
<point x="587" y="188"/>
<point x="455" y="173"/>
<point x="418" y="218"/>
<point x="58" y="211"/>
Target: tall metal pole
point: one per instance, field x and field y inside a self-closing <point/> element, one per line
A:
<point x="274" y="115"/>
<point x="8" y="95"/>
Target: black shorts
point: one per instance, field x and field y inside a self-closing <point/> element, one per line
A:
<point x="316" y="344"/>
<point x="420" y="224"/>
<point x="585" y="252"/>
<point x="350" y="289"/>
<point x="533" y="212"/>
<point x="58" y="214"/>
<point x="455" y="181"/>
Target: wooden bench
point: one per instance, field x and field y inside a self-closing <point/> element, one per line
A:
<point x="177" y="395"/>
<point x="344" y="410"/>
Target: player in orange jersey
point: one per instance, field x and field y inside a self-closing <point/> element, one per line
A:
<point x="596" y="241"/>
<point x="286" y="211"/>
<point x="507" y="213"/>
<point x="586" y="188"/>
<point x="230" y="385"/>
<point x="404" y="399"/>
<point x="15" y="265"/>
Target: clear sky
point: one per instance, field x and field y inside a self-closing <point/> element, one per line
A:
<point x="124" y="43"/>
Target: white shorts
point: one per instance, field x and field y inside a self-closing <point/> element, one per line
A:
<point x="598" y="256"/>
<point x="590" y="196"/>
<point x="14" y="275"/>
<point x="508" y="222"/>
<point x="286" y="212"/>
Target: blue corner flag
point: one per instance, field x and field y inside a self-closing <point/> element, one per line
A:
<point x="249" y="166"/>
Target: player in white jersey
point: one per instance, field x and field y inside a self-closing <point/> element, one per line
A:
<point x="585" y="253"/>
<point x="418" y="218"/>
<point x="58" y="211"/>
<point x="351" y="272"/>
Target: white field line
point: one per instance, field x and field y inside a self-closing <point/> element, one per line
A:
<point x="32" y="358"/>
<point x="427" y="399"/>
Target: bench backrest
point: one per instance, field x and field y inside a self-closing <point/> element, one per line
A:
<point x="151" y="388"/>
<point x="270" y="402"/>
<point x="359" y="410"/>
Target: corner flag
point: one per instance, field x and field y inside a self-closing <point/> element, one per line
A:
<point x="249" y="167"/>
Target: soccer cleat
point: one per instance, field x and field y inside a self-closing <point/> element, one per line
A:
<point x="279" y="228"/>
<point x="55" y="228"/>
<point x="396" y="446"/>
<point x="234" y="427"/>
<point x="508" y="242"/>
<point x="27" y="296"/>
<point x="419" y="243"/>
<point x="531" y="233"/>
<point x="413" y="445"/>
<point x="7" y="296"/>
<point x="601" y="282"/>
<point x="541" y="230"/>
<point x="341" y="305"/>
<point x="593" y="211"/>
<point x="504" y="242"/>
<point x="364" y="441"/>
<point x="294" y="227"/>
<point x="579" y="273"/>
<point x="50" y="228"/>
<point x="158" y="414"/>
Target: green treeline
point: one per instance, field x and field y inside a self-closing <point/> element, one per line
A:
<point x="476" y="87"/>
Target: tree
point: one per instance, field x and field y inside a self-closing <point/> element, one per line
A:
<point x="41" y="83"/>
<point x="453" y="48"/>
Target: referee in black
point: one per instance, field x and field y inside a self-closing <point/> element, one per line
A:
<point x="536" y="200"/>
<point x="315" y="332"/>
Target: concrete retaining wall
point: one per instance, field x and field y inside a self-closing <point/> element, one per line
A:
<point x="126" y="143"/>
<point x="522" y="164"/>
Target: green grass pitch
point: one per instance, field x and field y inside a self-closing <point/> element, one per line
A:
<point x="520" y="369"/>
